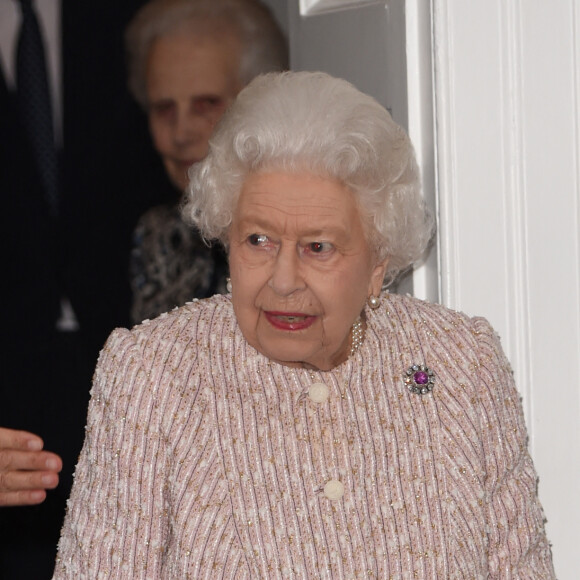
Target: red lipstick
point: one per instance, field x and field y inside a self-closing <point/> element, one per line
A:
<point x="289" y="320"/>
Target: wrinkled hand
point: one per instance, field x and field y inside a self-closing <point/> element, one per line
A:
<point x="26" y="472"/>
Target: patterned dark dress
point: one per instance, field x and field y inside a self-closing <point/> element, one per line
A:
<point x="171" y="264"/>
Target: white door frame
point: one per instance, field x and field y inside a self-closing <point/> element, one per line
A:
<point x="503" y="80"/>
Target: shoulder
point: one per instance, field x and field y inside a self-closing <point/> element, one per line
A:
<point x="187" y="329"/>
<point x="416" y="310"/>
<point x="432" y="321"/>
<point x="160" y="213"/>
<point x="163" y="357"/>
<point x="164" y="226"/>
<point x="460" y="349"/>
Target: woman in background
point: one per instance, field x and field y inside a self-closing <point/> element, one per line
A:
<point x="188" y="59"/>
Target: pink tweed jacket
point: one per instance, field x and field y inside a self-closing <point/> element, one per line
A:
<point x="204" y="459"/>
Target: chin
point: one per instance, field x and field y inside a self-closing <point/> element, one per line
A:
<point x="286" y="354"/>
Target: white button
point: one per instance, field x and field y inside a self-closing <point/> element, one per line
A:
<point x="318" y="392"/>
<point x="333" y="489"/>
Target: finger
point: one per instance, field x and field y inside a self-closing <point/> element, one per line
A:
<point x="13" y="460"/>
<point x="28" y="497"/>
<point x="15" y="439"/>
<point x="12" y="481"/>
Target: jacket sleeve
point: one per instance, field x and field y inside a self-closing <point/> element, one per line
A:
<point x="517" y="542"/>
<point x="116" y="523"/>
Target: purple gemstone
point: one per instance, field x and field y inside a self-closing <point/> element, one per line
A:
<point x="421" y="378"/>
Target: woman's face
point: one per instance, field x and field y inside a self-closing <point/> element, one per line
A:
<point x="190" y="82"/>
<point x="300" y="266"/>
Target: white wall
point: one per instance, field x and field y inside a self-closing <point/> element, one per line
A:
<point x="506" y="78"/>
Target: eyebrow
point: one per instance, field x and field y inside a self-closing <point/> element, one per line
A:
<point x="259" y="222"/>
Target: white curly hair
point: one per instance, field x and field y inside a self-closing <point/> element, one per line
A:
<point x="312" y="122"/>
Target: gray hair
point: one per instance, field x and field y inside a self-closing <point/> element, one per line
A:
<point x="264" y="47"/>
<point x="312" y="122"/>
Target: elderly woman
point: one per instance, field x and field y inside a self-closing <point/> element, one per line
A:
<point x="188" y="59"/>
<point x="307" y="425"/>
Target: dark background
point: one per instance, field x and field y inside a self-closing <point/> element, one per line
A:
<point x="109" y="176"/>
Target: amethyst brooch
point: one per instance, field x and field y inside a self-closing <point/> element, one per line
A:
<point x="419" y="379"/>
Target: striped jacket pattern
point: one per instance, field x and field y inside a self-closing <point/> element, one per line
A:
<point x="204" y="459"/>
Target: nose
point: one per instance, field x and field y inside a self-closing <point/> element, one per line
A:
<point x="187" y="127"/>
<point x="286" y="277"/>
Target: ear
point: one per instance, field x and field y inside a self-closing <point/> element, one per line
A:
<point x="377" y="277"/>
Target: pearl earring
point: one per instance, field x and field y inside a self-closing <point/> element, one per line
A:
<point x="374" y="302"/>
<point x="229" y="285"/>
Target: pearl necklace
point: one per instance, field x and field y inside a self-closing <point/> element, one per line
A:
<point x="357" y="335"/>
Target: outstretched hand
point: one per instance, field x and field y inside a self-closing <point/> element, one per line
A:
<point x="26" y="471"/>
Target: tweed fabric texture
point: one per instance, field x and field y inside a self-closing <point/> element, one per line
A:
<point x="204" y="459"/>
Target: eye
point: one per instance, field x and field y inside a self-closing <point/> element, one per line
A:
<point x="257" y="239"/>
<point x="209" y="106"/>
<point x="162" y="109"/>
<point x="319" y="247"/>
